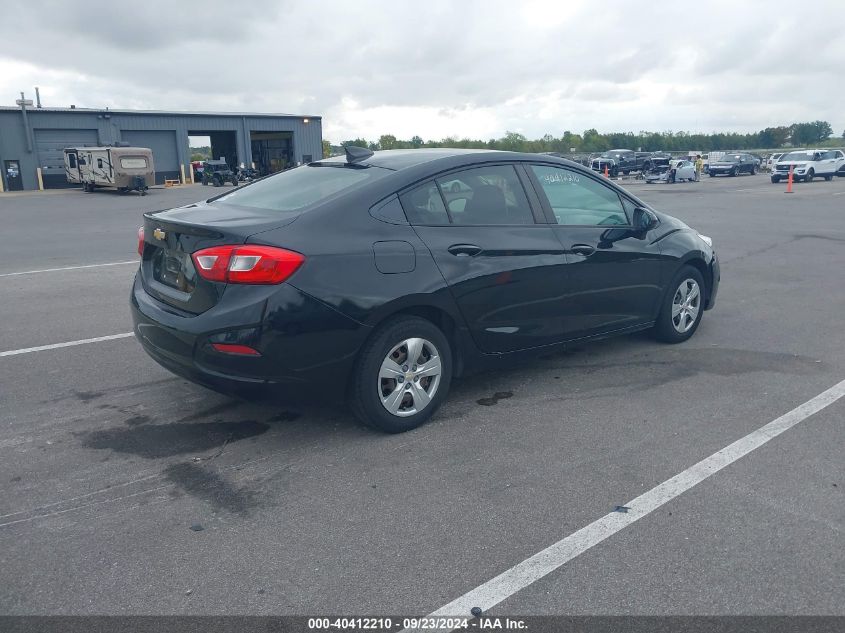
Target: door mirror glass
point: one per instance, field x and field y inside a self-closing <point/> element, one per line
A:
<point x="643" y="219"/>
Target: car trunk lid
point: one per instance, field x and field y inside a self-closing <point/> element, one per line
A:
<point x="168" y="272"/>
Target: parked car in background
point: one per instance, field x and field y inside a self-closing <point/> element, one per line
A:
<point x="673" y="171"/>
<point x="367" y="279"/>
<point x="772" y="160"/>
<point x="218" y="172"/>
<point x="620" y="161"/>
<point x="807" y="164"/>
<point x="733" y="164"/>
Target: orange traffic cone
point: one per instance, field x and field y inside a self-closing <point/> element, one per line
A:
<point x="789" y="180"/>
<point x="605" y="171"/>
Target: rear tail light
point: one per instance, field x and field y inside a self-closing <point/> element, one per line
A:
<point x="250" y="264"/>
<point x="141" y="241"/>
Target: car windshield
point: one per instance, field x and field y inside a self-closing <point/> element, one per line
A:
<point x="302" y="187"/>
<point x="798" y="156"/>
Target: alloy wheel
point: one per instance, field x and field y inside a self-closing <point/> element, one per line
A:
<point x="409" y="377"/>
<point x="686" y="305"/>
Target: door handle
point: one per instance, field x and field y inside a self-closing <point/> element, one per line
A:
<point x="583" y="249"/>
<point x="464" y="250"/>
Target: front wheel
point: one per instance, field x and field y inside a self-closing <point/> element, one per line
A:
<point x="810" y="175"/>
<point x="775" y="179"/>
<point x="683" y="307"/>
<point x="402" y="375"/>
<point x="753" y="170"/>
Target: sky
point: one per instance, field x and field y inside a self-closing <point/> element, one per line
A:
<point x="460" y="68"/>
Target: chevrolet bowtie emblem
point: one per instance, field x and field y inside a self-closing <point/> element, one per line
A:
<point x="159" y="234"/>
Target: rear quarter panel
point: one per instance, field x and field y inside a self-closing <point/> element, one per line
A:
<point x="340" y="268"/>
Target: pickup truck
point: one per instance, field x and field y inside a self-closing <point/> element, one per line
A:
<point x="621" y="161"/>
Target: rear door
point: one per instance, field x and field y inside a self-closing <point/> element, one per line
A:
<point x="828" y="163"/>
<point x="839" y="162"/>
<point x="505" y="269"/>
<point x="614" y="279"/>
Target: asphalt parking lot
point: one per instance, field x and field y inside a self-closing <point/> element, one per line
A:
<point x="127" y="490"/>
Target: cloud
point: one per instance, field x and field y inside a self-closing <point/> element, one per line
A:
<point x="474" y="68"/>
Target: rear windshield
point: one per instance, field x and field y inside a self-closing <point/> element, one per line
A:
<point x="301" y="187"/>
<point x="133" y="162"/>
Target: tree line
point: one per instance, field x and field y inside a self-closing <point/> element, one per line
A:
<point x="796" y="135"/>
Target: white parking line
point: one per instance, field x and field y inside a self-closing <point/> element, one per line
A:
<point x="84" y="341"/>
<point x="52" y="270"/>
<point x="546" y="561"/>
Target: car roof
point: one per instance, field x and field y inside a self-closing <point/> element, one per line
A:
<point x="397" y="159"/>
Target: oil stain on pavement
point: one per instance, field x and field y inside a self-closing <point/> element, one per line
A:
<point x="156" y="441"/>
<point x="208" y="486"/>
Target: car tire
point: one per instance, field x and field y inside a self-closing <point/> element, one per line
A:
<point x="733" y="172"/>
<point x="679" y="316"/>
<point x="810" y="175"/>
<point x="373" y="383"/>
<point x="775" y="179"/>
<point x="753" y="170"/>
<point x="711" y="174"/>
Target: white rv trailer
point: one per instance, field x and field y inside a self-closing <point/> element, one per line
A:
<point x="125" y="168"/>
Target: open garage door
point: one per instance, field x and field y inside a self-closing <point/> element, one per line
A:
<point x="163" y="144"/>
<point x="271" y="151"/>
<point x="50" y="145"/>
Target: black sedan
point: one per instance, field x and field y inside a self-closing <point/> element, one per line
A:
<point x="733" y="165"/>
<point x="369" y="278"/>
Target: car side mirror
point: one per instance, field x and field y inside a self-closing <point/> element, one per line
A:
<point x="643" y="222"/>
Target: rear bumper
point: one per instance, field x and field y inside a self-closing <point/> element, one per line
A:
<point x="302" y="342"/>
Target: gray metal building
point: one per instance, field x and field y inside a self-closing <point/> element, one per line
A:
<point x="270" y="141"/>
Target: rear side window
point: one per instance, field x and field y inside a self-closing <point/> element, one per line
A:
<point x="578" y="200"/>
<point x="296" y="189"/>
<point x="485" y="195"/>
<point x="424" y="205"/>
